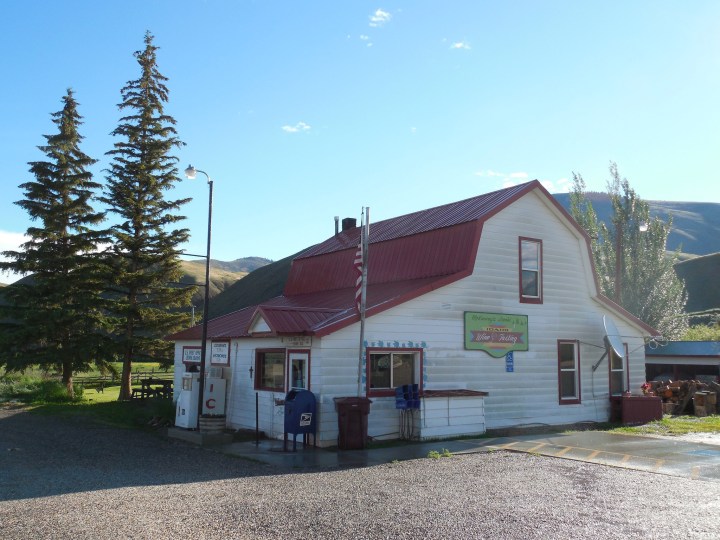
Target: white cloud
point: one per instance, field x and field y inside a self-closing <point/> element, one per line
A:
<point x="561" y="185"/>
<point x="379" y="18"/>
<point x="460" y="45"/>
<point x="300" y="126"/>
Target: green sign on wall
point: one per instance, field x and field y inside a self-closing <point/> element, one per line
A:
<point x="496" y="333"/>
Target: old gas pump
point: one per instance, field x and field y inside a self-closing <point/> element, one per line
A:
<point x="186" y="409"/>
<point x="214" y="392"/>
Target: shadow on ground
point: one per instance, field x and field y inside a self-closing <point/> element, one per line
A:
<point x="42" y="456"/>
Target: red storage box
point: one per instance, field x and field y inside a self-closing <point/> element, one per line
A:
<point x="641" y="409"/>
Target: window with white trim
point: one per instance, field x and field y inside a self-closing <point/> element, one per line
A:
<point x="568" y="372"/>
<point x="530" y="253"/>
<point x="299" y="370"/>
<point x="617" y="373"/>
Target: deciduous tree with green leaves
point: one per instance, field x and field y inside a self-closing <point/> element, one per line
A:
<point x="630" y="256"/>
<point x="56" y="320"/>
<point x="145" y="251"/>
<point x="702" y="332"/>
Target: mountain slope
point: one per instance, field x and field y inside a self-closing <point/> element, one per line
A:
<point x="194" y="274"/>
<point x="695" y="229"/>
<point x="257" y="287"/>
<point x="243" y="265"/>
<point x="701" y="281"/>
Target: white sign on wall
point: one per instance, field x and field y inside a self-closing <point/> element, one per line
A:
<point x="296" y="341"/>
<point x="191" y="355"/>
<point x="220" y="353"/>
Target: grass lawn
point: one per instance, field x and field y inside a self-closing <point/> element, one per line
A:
<point x="675" y="425"/>
<point x="43" y="395"/>
<point x="104" y="407"/>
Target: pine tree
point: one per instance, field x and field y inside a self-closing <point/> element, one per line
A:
<point x="55" y="320"/>
<point x="630" y="256"/>
<point x="145" y="253"/>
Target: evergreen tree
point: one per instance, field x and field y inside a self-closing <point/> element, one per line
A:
<point x="145" y="252"/>
<point x="630" y="256"/>
<point x="55" y="320"/>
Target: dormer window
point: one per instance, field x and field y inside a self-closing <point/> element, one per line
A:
<point x="530" y="262"/>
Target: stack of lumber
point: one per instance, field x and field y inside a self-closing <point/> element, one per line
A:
<point x="686" y="397"/>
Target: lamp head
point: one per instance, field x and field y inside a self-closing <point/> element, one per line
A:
<point x="191" y="172"/>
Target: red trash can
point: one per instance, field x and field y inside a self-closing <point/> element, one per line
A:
<point x="352" y="422"/>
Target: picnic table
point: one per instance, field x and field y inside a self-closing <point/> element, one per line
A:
<point x="153" y="387"/>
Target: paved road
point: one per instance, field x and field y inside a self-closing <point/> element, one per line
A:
<point x="63" y="478"/>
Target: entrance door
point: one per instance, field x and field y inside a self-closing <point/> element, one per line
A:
<point x="299" y="370"/>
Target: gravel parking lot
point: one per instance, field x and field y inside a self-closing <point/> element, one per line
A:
<point x="63" y="478"/>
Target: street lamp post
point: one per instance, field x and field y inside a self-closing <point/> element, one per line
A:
<point x="191" y="173"/>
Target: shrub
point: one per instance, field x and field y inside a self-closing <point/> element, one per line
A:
<point x="32" y="389"/>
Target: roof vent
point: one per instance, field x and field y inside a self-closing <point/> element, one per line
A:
<point x="348" y="223"/>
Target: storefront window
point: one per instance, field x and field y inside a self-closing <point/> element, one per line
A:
<point x="270" y="370"/>
<point x="389" y="369"/>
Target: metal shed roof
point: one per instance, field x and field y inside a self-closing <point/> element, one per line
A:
<point x="684" y="348"/>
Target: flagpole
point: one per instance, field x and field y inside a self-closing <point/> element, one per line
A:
<point x="364" y="241"/>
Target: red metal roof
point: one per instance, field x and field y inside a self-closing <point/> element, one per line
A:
<point x="447" y="215"/>
<point x="293" y="320"/>
<point x="318" y="313"/>
<point x="227" y="326"/>
<point x="429" y="254"/>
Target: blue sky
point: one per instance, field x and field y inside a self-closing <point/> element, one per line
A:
<point x="301" y="111"/>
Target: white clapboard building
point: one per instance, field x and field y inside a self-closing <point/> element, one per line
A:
<point x="489" y="305"/>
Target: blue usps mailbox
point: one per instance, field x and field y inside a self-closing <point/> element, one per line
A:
<point x="300" y="416"/>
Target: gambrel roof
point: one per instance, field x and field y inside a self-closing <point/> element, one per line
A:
<point x="409" y="255"/>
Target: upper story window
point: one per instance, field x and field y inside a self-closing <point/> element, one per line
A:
<point x="530" y="254"/>
<point x="388" y="369"/>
